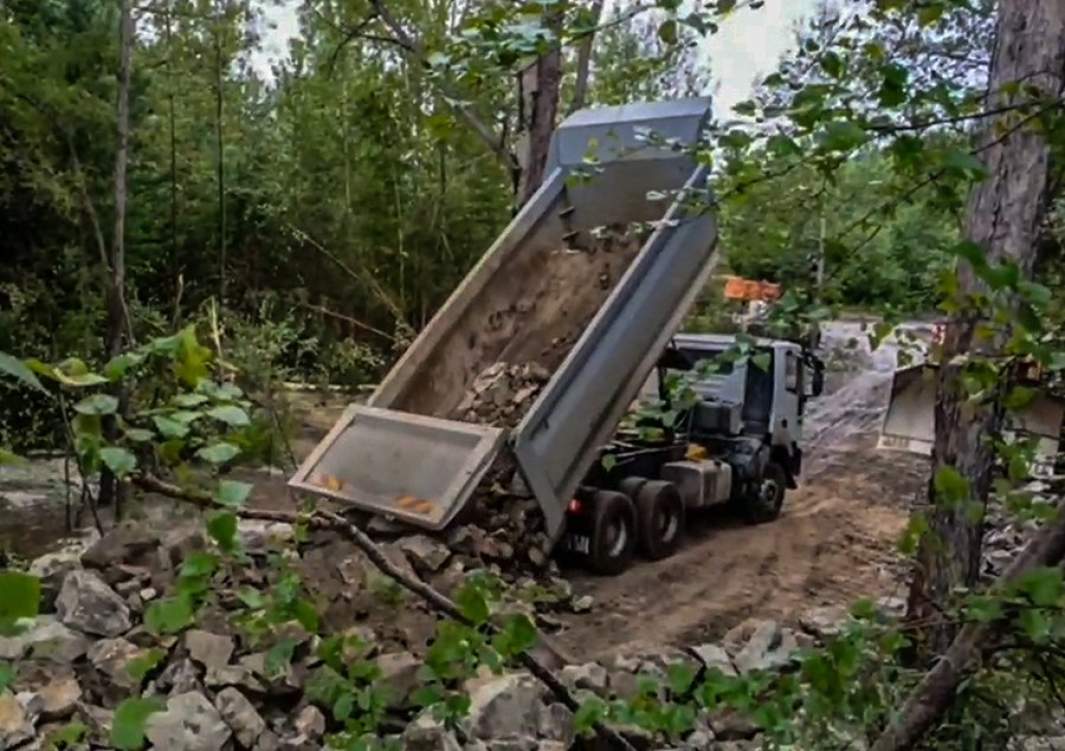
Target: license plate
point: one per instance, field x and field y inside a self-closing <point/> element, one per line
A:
<point x="580" y="544"/>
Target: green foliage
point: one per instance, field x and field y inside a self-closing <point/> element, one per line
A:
<point x="20" y="597"/>
<point x="8" y="674"/>
<point x="129" y="722"/>
<point x="169" y="615"/>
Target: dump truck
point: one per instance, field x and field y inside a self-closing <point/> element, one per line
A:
<point x="909" y="420"/>
<point x="600" y="317"/>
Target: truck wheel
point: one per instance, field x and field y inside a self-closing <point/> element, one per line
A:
<point x="767" y="495"/>
<point x="659" y="519"/>
<point x="613" y="533"/>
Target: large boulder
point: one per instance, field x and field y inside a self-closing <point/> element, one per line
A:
<point x="506" y="706"/>
<point x="241" y="715"/>
<point x="190" y="723"/>
<point x="766" y="647"/>
<point x="129" y="542"/>
<point x="51" y="569"/>
<point x="556" y="724"/>
<point x="87" y="604"/>
<point x="45" y="639"/>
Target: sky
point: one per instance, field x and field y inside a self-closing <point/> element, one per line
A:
<point x="745" y="48"/>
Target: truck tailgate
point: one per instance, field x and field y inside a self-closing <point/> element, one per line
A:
<point x="411" y="467"/>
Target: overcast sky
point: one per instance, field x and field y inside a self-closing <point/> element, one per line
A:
<point x="747" y="46"/>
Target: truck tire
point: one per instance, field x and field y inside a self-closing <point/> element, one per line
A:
<point x="613" y="533"/>
<point x="659" y="519"/>
<point x="767" y="495"/>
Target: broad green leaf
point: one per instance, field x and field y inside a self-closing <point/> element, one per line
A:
<point x="97" y="404"/>
<point x="8" y="673"/>
<point x="222" y="527"/>
<point x="218" y="453"/>
<point x="232" y="492"/>
<point x="118" y="366"/>
<point x="762" y="361"/>
<point x="139" y="435"/>
<point x="1043" y="586"/>
<point x="20" y="596"/>
<point x="198" y="564"/>
<point x="130" y="720"/>
<point x="667" y="31"/>
<point x="169" y="615"/>
<point x="951" y="488"/>
<point x="1035" y="624"/>
<point x="472" y="604"/>
<point x="832" y="64"/>
<point x="139" y="667"/>
<point x="118" y="460"/>
<point x="252" y="598"/>
<point x="230" y="415"/>
<point x="185" y="417"/>
<point x="170" y="428"/>
<point x="681" y="677"/>
<point x="893" y="87"/>
<point x="842" y="135"/>
<point x="517" y="635"/>
<point x="67" y="736"/>
<point x="279" y="657"/>
<point x="966" y="163"/>
<point x="17" y="369"/>
<point x="189" y="400"/>
<point x="191" y="358"/>
<point x="609" y="461"/>
<point x="1020" y="397"/>
<point x="74" y="372"/>
<point x="307" y="615"/>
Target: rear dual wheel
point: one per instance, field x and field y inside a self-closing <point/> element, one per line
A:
<point x="646" y="513"/>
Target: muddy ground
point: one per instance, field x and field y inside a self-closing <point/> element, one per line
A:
<point x="834" y="542"/>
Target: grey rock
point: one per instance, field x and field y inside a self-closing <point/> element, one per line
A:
<point x="241" y="715"/>
<point x="210" y="650"/>
<point x="730" y="725"/>
<point x="556" y="724"/>
<point x="427" y="734"/>
<point x="112" y="658"/>
<point x="45" y="639"/>
<point x="85" y="603"/>
<point x="767" y="648"/>
<point x="1037" y="743"/>
<point x="259" y="536"/>
<point x="180" y="677"/>
<point x="268" y="741"/>
<point x="427" y="554"/>
<point x="399" y="675"/>
<point x="591" y="676"/>
<point x="892" y="607"/>
<point x="823" y="622"/>
<point x="699" y="740"/>
<point x="15" y="724"/>
<point x="506" y="706"/>
<point x="51" y="569"/>
<point x="233" y="675"/>
<point x="310" y="722"/>
<point x="714" y="656"/>
<point x="59" y="698"/>
<point x="189" y="723"/>
<point x="583" y="604"/>
<point x="512" y="744"/>
<point x="129" y="542"/>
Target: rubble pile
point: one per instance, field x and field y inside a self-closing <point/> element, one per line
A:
<point x="502" y="393"/>
<point x="216" y="685"/>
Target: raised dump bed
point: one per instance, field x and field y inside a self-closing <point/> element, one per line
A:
<point x="593" y="311"/>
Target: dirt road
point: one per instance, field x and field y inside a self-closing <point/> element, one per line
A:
<point x="833" y="544"/>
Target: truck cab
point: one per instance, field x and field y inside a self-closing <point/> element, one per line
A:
<point x="733" y="438"/>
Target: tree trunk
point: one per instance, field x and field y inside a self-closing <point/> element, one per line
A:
<point x="118" y="322"/>
<point x="538" y="94"/>
<point x="221" y="169"/>
<point x="584" y="59"/>
<point x="175" y="263"/>
<point x="1004" y="216"/>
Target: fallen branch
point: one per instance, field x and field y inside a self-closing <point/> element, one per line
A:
<point x="932" y="697"/>
<point x="347" y="319"/>
<point x="322" y="519"/>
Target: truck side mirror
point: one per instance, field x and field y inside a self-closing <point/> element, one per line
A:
<point x="817" y="383"/>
